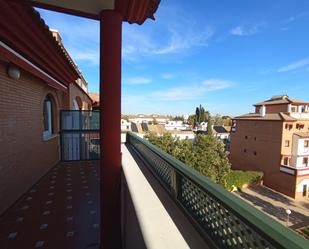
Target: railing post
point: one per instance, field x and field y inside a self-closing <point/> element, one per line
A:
<point x="175" y="183"/>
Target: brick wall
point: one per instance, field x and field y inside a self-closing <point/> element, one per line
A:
<point x="276" y="108"/>
<point x="24" y="155"/>
<point x="76" y="92"/>
<point x="256" y="145"/>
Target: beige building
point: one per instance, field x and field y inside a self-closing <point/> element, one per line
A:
<point x="275" y="139"/>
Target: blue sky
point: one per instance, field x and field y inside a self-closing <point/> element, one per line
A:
<point x="225" y="55"/>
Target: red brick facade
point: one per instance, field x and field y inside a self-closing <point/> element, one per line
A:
<point x="24" y="155"/>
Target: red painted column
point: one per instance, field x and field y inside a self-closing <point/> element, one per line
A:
<point x="110" y="106"/>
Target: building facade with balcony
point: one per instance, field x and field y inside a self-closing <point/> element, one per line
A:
<point x="38" y="78"/>
<point x="275" y="140"/>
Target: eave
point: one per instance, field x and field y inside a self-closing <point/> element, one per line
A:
<point x="132" y="11"/>
<point x="29" y="36"/>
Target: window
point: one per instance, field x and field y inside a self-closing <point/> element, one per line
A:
<point x="47" y="117"/>
<point x="245" y="150"/>
<point x="303" y="109"/>
<point x="288" y="126"/>
<point x="300" y="126"/>
<point x="246" y="137"/>
<point x="287" y="143"/>
<point x="293" y="109"/>
<point x="254" y="153"/>
<point x="306" y="143"/>
<point x="305" y="161"/>
<point x="285" y="161"/>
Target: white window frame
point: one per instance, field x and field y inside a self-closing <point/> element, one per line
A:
<point x="48" y="133"/>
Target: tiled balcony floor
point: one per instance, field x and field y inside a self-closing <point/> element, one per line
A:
<point x="59" y="211"/>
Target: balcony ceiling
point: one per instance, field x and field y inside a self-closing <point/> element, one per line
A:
<point x="133" y="11"/>
<point x="91" y="8"/>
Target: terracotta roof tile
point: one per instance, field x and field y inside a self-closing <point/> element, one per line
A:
<point x="270" y="116"/>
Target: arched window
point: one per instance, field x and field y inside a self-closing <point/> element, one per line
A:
<point x="47" y="117"/>
<point x="77" y="103"/>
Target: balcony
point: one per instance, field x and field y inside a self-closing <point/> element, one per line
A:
<point x="164" y="204"/>
<point x="295" y="171"/>
<point x="300" y="115"/>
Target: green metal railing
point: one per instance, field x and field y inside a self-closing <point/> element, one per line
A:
<point x="224" y="220"/>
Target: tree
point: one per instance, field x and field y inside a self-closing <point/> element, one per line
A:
<point x="197" y="116"/>
<point x="125" y="117"/>
<point x="202" y="114"/>
<point x="211" y="159"/>
<point x="178" y="118"/>
<point x="227" y="120"/>
<point x="206" y="154"/>
<point x="209" y="126"/>
<point x="191" y="120"/>
<point x="218" y="120"/>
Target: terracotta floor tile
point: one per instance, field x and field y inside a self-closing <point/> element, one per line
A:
<point x="59" y="211"/>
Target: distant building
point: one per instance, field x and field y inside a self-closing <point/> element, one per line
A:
<point x="142" y="118"/>
<point x="275" y="139"/>
<point x="202" y="126"/>
<point x="176" y="125"/>
<point x="143" y="128"/>
<point x="95" y="100"/>
<point x="181" y="135"/>
<point x="222" y="132"/>
<point x="125" y="125"/>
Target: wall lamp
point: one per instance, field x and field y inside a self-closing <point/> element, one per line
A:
<point x="13" y="72"/>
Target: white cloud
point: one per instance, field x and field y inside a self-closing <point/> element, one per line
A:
<point x="174" y="32"/>
<point x="137" y="81"/>
<point x="294" y="66"/>
<point x="82" y="55"/>
<point x="192" y="91"/>
<point x="248" y="30"/>
<point x="295" y="17"/>
<point x="179" y="41"/>
<point x="237" y="31"/>
<point x="167" y="76"/>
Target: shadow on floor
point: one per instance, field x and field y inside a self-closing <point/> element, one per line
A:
<point x="272" y="195"/>
<point x="273" y="210"/>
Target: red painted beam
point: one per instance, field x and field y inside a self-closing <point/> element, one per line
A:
<point x="110" y="118"/>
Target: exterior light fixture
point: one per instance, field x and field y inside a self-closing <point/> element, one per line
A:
<point x="13" y="72"/>
<point x="288" y="212"/>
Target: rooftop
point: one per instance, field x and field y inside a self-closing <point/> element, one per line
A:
<point x="221" y="129"/>
<point x="269" y="116"/>
<point x="280" y="99"/>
